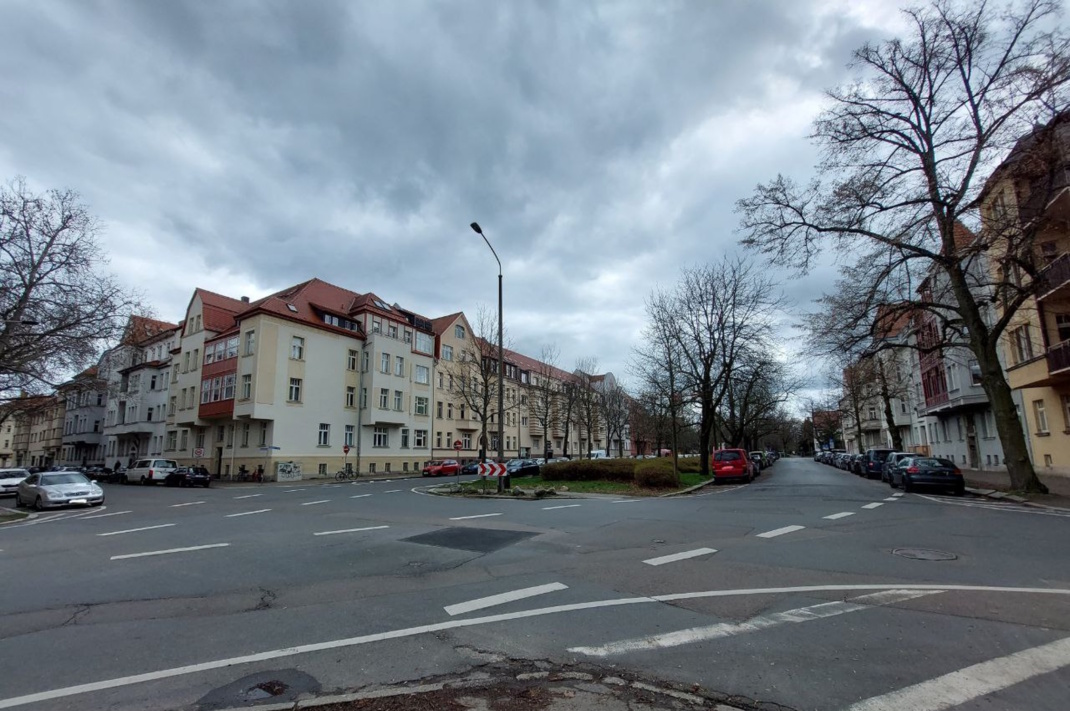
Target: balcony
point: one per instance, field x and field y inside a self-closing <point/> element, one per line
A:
<point x="1052" y="368"/>
<point x="1054" y="280"/>
<point x="134" y="428"/>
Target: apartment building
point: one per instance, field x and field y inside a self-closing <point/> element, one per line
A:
<point x="1027" y="200"/>
<point x="84" y="396"/>
<point x="38" y="434"/>
<point x="137" y="377"/>
<point x="7" y="440"/>
<point x="303" y="382"/>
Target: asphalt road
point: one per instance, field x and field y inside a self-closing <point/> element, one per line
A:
<point x="787" y="590"/>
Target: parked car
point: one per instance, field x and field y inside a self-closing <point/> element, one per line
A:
<point x="890" y="462"/>
<point x="873" y="463"/>
<point x="48" y="489"/>
<point x="189" y="476"/>
<point x="10" y="480"/>
<point x="731" y="464"/>
<point x="760" y="457"/>
<point x="442" y="467"/>
<point x="929" y="471"/>
<point x="470" y="469"/>
<point x="148" y="471"/>
<point x="521" y="467"/>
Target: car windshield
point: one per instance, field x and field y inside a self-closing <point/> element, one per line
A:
<point x="434" y="464"/>
<point x="933" y="463"/>
<point x="881" y="454"/>
<point x="63" y="478"/>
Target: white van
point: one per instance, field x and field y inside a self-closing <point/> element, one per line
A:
<point x="149" y="471"/>
<point x="597" y="454"/>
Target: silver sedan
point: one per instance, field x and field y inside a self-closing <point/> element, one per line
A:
<point x="47" y="489"/>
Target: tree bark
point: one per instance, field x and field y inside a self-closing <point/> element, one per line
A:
<point x="889" y="413"/>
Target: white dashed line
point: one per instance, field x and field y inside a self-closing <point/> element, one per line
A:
<point x="464" y="518"/>
<point x="359" y="496"/>
<point x="247" y="513"/>
<point x="169" y="550"/>
<point x="393" y="491"/>
<point x="680" y="556"/>
<point x="891" y="498"/>
<point x="899" y="495"/>
<point x="188" y="503"/>
<point x="780" y="531"/>
<point x="964" y="685"/>
<point x="730" y="629"/>
<point x="566" y="506"/>
<point x="349" y="530"/>
<point x="135" y="530"/>
<point x="290" y="491"/>
<point x="247" y="496"/>
<point x="873" y="505"/>
<point x="626" y="501"/>
<point x="313" y="503"/>
<point x="842" y="514"/>
<point x="114" y="513"/>
<point x="502" y="598"/>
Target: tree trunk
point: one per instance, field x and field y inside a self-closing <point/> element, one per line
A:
<point x="1015" y="452"/>
<point x="704" y="431"/>
<point x="889" y="413"/>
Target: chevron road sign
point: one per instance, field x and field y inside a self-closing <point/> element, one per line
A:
<point x="491" y="469"/>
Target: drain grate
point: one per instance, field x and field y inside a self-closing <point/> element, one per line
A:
<point x="923" y="554"/>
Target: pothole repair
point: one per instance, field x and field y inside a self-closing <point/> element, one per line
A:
<point x="924" y="554"/>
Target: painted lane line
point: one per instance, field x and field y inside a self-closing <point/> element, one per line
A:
<point x="891" y="498"/>
<point x="780" y="531"/>
<point x="566" y="506"/>
<point x="842" y="514"/>
<point x="393" y="491"/>
<point x="899" y="495"/>
<point x="290" y="491"/>
<point x="680" y="556"/>
<point x="873" y="505"/>
<point x="359" y="496"/>
<point x="626" y="501"/>
<point x="188" y="503"/>
<point x="465" y="518"/>
<point x="135" y="530"/>
<point x="118" y="682"/>
<point x="313" y="503"/>
<point x="247" y="513"/>
<point x="349" y="530"/>
<point x="973" y="682"/>
<point x="756" y="624"/>
<point x="247" y="496"/>
<point x="169" y="550"/>
<point x="502" y="598"/>
<point x="113" y="513"/>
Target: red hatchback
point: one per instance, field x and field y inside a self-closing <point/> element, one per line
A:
<point x="445" y="467"/>
<point x="731" y="464"/>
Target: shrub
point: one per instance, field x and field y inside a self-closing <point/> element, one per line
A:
<point x="590" y="470"/>
<point x="655" y="474"/>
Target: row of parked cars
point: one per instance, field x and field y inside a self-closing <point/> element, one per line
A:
<point x="907" y="469"/>
<point x="514" y="467"/>
<point x="739" y="464"/>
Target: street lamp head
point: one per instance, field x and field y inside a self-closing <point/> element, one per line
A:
<point x="476" y="228"/>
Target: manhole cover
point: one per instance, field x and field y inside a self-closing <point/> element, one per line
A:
<point x="478" y="540"/>
<point x="923" y="554"/>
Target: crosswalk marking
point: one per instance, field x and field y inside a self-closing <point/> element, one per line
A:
<point x="842" y="514"/>
<point x="502" y="598"/>
<point x="780" y="531"/>
<point x="247" y="513"/>
<point x="873" y="505"/>
<point x="680" y="556"/>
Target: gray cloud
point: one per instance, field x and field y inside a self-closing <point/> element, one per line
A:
<point x="244" y="146"/>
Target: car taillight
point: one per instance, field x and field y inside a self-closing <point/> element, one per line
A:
<point x="912" y="470"/>
<point x="958" y="471"/>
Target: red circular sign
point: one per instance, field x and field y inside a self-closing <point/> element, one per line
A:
<point x="345" y="449"/>
<point x="457" y="445"/>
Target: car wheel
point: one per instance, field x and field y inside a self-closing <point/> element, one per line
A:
<point x="123" y="480"/>
<point x="144" y="482"/>
<point x="891" y="481"/>
<point x="907" y="487"/>
<point x="959" y="491"/>
<point x="38" y="504"/>
<point x="207" y="484"/>
<point x="18" y="501"/>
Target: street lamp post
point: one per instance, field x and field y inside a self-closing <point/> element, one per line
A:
<point x="501" y="360"/>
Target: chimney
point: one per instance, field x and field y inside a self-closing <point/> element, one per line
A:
<point x="245" y="299"/>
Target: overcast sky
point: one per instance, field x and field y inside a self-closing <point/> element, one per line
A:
<point x="247" y="146"/>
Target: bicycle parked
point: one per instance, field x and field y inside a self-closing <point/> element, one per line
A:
<point x="344" y="475"/>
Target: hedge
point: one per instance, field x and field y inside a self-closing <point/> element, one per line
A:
<point x="655" y="474"/>
<point x="590" y="470"/>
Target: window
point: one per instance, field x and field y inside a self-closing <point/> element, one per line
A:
<point x="384" y="398"/>
<point x="197" y="327"/>
<point x="392" y="330"/>
<point x="246" y="386"/>
<point x="351" y="360"/>
<point x="958" y="426"/>
<point x="196" y="358"/>
<point x="171" y="440"/>
<point x="872" y="413"/>
<point x="1040" y="416"/>
<point x="185" y="362"/>
<point x="449" y="411"/>
<point x="419" y="405"/>
<point x="420" y="439"/>
<point x="423" y="375"/>
<point x="322" y="468"/>
<point x="381" y="437"/>
<point x="174" y="373"/>
<point x="152" y="386"/>
<point x="297" y="348"/>
<point x="458" y="332"/>
<point x="1048" y="252"/>
<point x="148" y="414"/>
<point x="349" y="436"/>
<point x="209" y="356"/>
<point x="1062" y="325"/>
<point x="462" y="411"/>
<point x="975" y="373"/>
<point x="250" y="342"/>
<point x="377" y="325"/>
<point x="228" y="386"/>
<point x="466" y="440"/>
<point x="424" y="343"/>
<point x="263" y="434"/>
<point x="397" y="400"/>
<point x="371" y="468"/>
<point x="399" y="366"/>
<point x="384" y="363"/>
<point x="952" y="380"/>
<point x="245" y="435"/>
<point x="324" y="435"/>
<point x="902" y="407"/>
<point x="351" y="396"/>
<point x="366" y="359"/>
<point x="220" y="350"/>
<point x="295" y="390"/>
<point x="447" y="352"/>
<point x="206" y="390"/>
<point x="1023" y="346"/>
<point x="405" y="438"/>
<point x="232" y="347"/>
<point x="438" y="410"/>
<point x="438" y="439"/>
<point x="217" y="389"/>
<point x="184" y="440"/>
<point x="363" y="398"/>
<point x="441" y="381"/>
<point x="171" y="406"/>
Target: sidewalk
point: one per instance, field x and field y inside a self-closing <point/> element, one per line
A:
<point x="1058" y="486"/>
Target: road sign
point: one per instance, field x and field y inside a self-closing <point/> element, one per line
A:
<point x="458" y="446"/>
<point x="345" y="449"/>
<point x="198" y="452"/>
<point x="492" y="469"/>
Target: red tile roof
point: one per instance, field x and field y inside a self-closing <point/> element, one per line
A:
<point x="441" y="323"/>
<point x="140" y="328"/>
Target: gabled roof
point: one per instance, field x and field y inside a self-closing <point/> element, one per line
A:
<point x="218" y="311"/>
<point x="140" y="328"/>
<point x="891" y="320"/>
<point x="442" y="323"/>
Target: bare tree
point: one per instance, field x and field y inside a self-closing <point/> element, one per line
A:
<point x="59" y="305"/>
<point x="568" y="398"/>
<point x="615" y="406"/>
<point x="904" y="148"/>
<point x="542" y="389"/>
<point x="587" y="398"/>
<point x="759" y="386"/>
